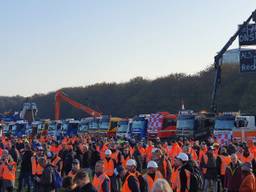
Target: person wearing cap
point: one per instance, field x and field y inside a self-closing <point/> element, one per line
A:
<point x="233" y="175"/>
<point x="131" y="182"/>
<point x="248" y="179"/>
<point x="209" y="169"/>
<point x="180" y="180"/>
<point x="75" y="168"/>
<point x="109" y="165"/>
<point x="152" y="174"/>
<point x="101" y="181"/>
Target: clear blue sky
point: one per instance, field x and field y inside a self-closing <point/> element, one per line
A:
<point x="49" y="44"/>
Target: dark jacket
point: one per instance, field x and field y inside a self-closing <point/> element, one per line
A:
<point x="87" y="188"/>
<point x="233" y="177"/>
<point x="26" y="165"/>
<point x="46" y="183"/>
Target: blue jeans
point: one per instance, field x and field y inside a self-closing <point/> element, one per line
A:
<point x="25" y="180"/>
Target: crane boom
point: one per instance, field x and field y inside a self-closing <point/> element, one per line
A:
<point x="61" y="96"/>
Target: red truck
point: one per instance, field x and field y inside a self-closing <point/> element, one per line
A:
<point x="162" y="125"/>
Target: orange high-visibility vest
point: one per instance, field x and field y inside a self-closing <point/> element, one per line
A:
<point x="248" y="159"/>
<point x="55" y="161"/>
<point x="9" y="174"/>
<point x="150" y="181"/>
<point x="124" y="160"/>
<point x="37" y="169"/>
<point x="115" y="156"/>
<point x="125" y="187"/>
<point x="98" y="181"/>
<point x="174" y="178"/>
<point x="225" y="161"/>
<point x="176" y="183"/>
<point x="109" y="167"/>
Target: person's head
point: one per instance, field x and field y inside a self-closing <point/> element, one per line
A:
<point x="234" y="159"/>
<point x="210" y="150"/>
<point x="131" y="165"/>
<point x="108" y="153"/>
<point x="119" y="171"/>
<point x="99" y="167"/>
<point x="152" y="167"/>
<point x="161" y="185"/>
<point x="186" y="149"/>
<point x="68" y="183"/>
<point x="76" y="164"/>
<point x="126" y="150"/>
<point x="180" y="159"/>
<point x="82" y="178"/>
<point x="156" y="154"/>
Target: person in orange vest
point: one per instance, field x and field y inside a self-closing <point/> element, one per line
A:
<point x="152" y="174"/>
<point x="131" y="182"/>
<point x="182" y="177"/>
<point x="209" y="169"/>
<point x="149" y="149"/>
<point x="101" y="181"/>
<point x="223" y="160"/>
<point x="163" y="162"/>
<point x="110" y="165"/>
<point x="116" y="154"/>
<point x="75" y="168"/>
<point x="248" y="179"/>
<point x="126" y="156"/>
<point x="174" y="151"/>
<point x="246" y="157"/>
<point x="202" y="152"/>
<point x="8" y="173"/>
<point x="57" y="162"/>
<point x="37" y="169"/>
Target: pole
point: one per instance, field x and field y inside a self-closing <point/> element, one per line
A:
<point x="217" y="61"/>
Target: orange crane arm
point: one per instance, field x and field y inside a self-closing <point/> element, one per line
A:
<point x="61" y="96"/>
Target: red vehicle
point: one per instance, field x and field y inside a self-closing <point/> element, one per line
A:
<point x="162" y="125"/>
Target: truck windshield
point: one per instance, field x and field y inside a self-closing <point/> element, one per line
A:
<point x="104" y="124"/>
<point x="185" y="123"/>
<point x="73" y="126"/>
<point x="137" y="125"/>
<point x="93" y="125"/>
<point x="221" y="124"/>
<point x="123" y="126"/>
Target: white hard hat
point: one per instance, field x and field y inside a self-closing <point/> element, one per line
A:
<point x="182" y="157"/>
<point x="152" y="164"/>
<point x="131" y="162"/>
<point x="155" y="150"/>
<point x="108" y="152"/>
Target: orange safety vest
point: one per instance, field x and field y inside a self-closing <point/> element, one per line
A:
<point x="174" y="178"/>
<point x="125" y="187"/>
<point x="55" y="161"/>
<point x="115" y="156"/>
<point x="150" y="181"/>
<point x="109" y="167"/>
<point x="71" y="174"/>
<point x="124" y="160"/>
<point x="37" y="169"/>
<point x="98" y="181"/>
<point x="248" y="159"/>
<point x="225" y="161"/>
<point x="9" y="174"/>
<point x="176" y="183"/>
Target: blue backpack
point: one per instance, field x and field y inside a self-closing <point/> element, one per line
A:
<point x="57" y="179"/>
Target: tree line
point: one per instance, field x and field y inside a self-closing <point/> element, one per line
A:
<point x="139" y="96"/>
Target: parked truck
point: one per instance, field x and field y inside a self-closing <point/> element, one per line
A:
<point x="139" y="126"/>
<point x="162" y="125"/>
<point x="124" y="128"/>
<point x="223" y="127"/>
<point x="194" y="125"/>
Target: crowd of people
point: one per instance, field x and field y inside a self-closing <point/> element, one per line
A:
<point x="99" y="164"/>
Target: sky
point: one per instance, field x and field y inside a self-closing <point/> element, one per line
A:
<point x="46" y="45"/>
